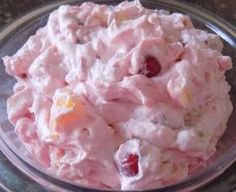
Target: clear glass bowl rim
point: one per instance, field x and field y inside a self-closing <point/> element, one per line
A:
<point x="214" y="22"/>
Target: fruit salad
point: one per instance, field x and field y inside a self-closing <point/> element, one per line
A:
<point x="120" y="97"/>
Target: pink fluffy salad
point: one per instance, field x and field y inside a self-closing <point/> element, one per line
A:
<point x="121" y="97"/>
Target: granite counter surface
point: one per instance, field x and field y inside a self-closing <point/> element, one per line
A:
<point x="13" y="180"/>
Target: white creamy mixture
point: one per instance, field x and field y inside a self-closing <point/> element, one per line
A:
<point x="121" y="97"/>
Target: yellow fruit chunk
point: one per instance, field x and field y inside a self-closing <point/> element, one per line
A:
<point x="186" y="97"/>
<point x="120" y="16"/>
<point x="69" y="103"/>
<point x="75" y="111"/>
<point x="100" y="16"/>
<point x="65" y="102"/>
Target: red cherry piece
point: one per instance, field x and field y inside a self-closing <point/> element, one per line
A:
<point x="152" y="66"/>
<point x="129" y="166"/>
<point x="23" y="75"/>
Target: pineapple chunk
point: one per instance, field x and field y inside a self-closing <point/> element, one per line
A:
<point x="69" y="111"/>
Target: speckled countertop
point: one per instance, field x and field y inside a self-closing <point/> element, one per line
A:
<point x="13" y="180"/>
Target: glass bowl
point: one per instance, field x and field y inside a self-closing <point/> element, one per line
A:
<point x="16" y="34"/>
